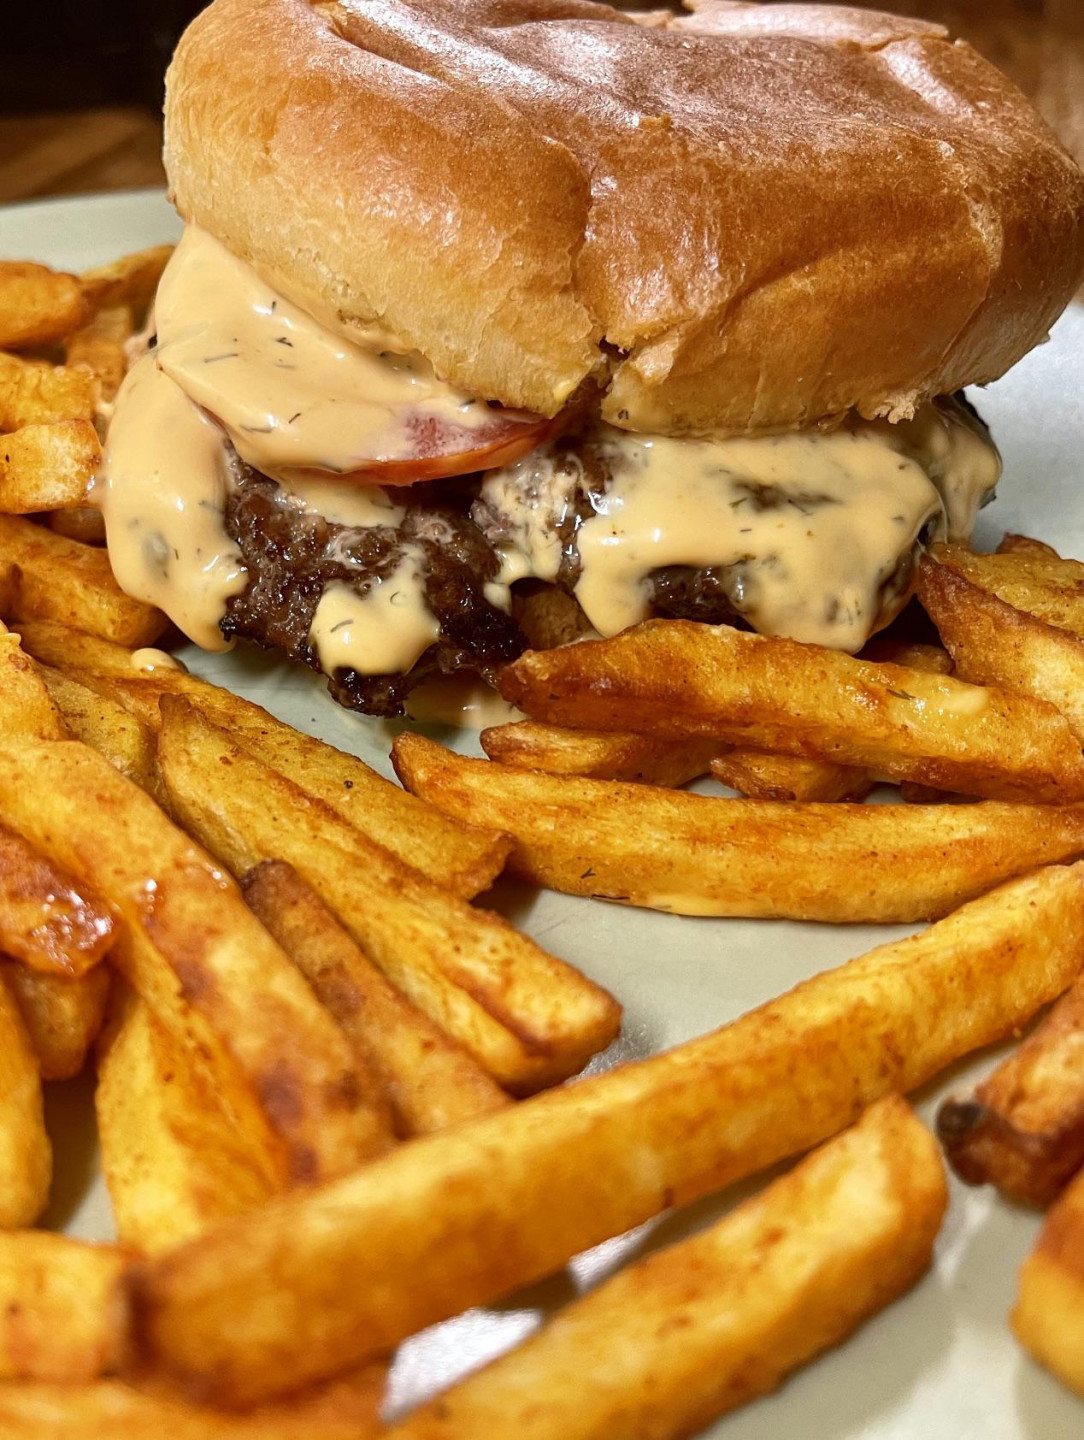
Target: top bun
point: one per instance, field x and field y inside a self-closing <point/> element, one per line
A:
<point x="745" y="218"/>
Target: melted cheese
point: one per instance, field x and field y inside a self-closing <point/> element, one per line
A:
<point x="382" y="631"/>
<point x="291" y="393"/>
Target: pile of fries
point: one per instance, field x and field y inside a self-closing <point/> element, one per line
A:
<point x="330" y="1097"/>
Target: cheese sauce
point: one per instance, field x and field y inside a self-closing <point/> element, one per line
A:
<point x="382" y="631"/>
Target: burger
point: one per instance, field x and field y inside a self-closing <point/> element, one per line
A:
<point x="499" y="321"/>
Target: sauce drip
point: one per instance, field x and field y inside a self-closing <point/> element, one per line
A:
<point x="382" y="631"/>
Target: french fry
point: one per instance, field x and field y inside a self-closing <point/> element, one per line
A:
<point x="694" y="1331"/>
<point x="26" y="1160"/>
<point x="430" y="1081"/>
<point x="106" y="726"/>
<point x="81" y="523"/>
<point x="994" y="644"/>
<point x="933" y="659"/>
<point x="594" y="754"/>
<point x="1044" y="586"/>
<point x="1023" y="1128"/>
<point x="192" y="948"/>
<point x="35" y="394"/>
<point x="46" y="920"/>
<point x="64" y="581"/>
<point x="173" y="1163"/>
<point x="100" y="345"/>
<point x="63" y="1311"/>
<point x="38" y="306"/>
<point x="697" y="855"/>
<point x="47" y="467"/>
<point x="62" y="1015"/>
<point x="1050" y="1298"/>
<point x="676" y="679"/>
<point x="314" y="1281"/>
<point x="528" y="1018"/>
<point x="787" y="777"/>
<point x="25" y="707"/>
<point x="71" y="650"/>
<point x="1024" y="545"/>
<point x="131" y="280"/>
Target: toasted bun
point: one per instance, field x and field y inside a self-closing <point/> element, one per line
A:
<point x="745" y="218"/>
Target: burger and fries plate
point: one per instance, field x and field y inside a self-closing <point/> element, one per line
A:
<point x="939" y="1362"/>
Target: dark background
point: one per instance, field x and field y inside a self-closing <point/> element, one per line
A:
<point x="81" y="83"/>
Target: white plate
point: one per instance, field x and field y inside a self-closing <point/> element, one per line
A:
<point x="941" y="1363"/>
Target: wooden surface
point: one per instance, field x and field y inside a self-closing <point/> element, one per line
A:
<point x="1040" y="43"/>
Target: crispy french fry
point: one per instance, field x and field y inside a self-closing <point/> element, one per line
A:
<point x="81" y="523"/>
<point x="173" y="1163"/>
<point x="313" y="1281"/>
<point x="131" y="280"/>
<point x="994" y="644"/>
<point x="431" y="1082"/>
<point x="1024" y="545"/>
<point x="26" y="709"/>
<point x="1050" y="1299"/>
<point x="38" y="306"/>
<point x="64" y="581"/>
<point x="192" y="948"/>
<point x="100" y="345"/>
<point x="1045" y="586"/>
<point x="35" y="394"/>
<point x="47" y="467"/>
<point x="62" y="1014"/>
<point x="697" y="855"/>
<point x="1023" y="1128"/>
<point x="63" y="1311"/>
<point x="65" y="648"/>
<point x="676" y="679"/>
<point x="703" y="1327"/>
<point x="46" y="920"/>
<point x="933" y="659"/>
<point x="786" y="777"/>
<point x="528" y="1018"/>
<point x="530" y="746"/>
<point x="26" y="1160"/>
<point x="105" y="726"/>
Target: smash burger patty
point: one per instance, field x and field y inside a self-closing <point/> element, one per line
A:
<point x="665" y="312"/>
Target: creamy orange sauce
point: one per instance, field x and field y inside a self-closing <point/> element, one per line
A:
<point x="148" y="660"/>
<point x="380" y="632"/>
<point x="462" y="700"/>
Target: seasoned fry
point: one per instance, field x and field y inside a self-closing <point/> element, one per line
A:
<point x="528" y="1018"/>
<point x="26" y="1160"/>
<point x="105" y="726"/>
<point x="63" y="1015"/>
<point x="47" y="467"/>
<point x="993" y="643"/>
<point x="699" y="1329"/>
<point x="38" y="306"/>
<point x="1050" y="1300"/>
<point x="594" y="754"/>
<point x="173" y="1163"/>
<point x="63" y="1311"/>
<point x="64" y="581"/>
<point x="68" y="649"/>
<point x="131" y="280"/>
<point x="676" y="679"/>
<point x="192" y="948"/>
<point x="431" y="1082"/>
<point x="35" y="394"/>
<point x="25" y="707"/>
<point x="1045" y="586"/>
<point x="786" y="777"/>
<point x="1023" y="1129"/>
<point x="81" y="523"/>
<point x="313" y="1281"/>
<point x="100" y="346"/>
<point x="697" y="855"/>
<point x="46" y="920"/>
<point x="1024" y="545"/>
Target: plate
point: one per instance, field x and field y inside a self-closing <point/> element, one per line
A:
<point x="941" y="1362"/>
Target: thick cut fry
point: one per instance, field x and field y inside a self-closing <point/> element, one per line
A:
<point x="1023" y="1129"/>
<point x="47" y="467"/>
<point x="26" y="1160"/>
<point x="105" y="726"/>
<point x="1024" y="545"/>
<point x="62" y="1015"/>
<point x="46" y="920"/>
<point x="35" y="394"/>
<point x="1050" y="1300"/>
<point x="38" y="306"/>
<point x="1045" y="586"/>
<point x="64" y="581"/>
<point x="69" y="649"/>
<point x="81" y="523"/>
<point x="100" y="345"/>
<point x="931" y="658"/>
<point x="697" y="855"/>
<point x="430" y="1081"/>
<point x="173" y="1163"/>
<point x="676" y="679"/>
<point x="786" y="777"/>
<point x="192" y="948"/>
<point x="530" y="746"/>
<point x="994" y="644"/>
<point x="314" y="1281"/>
<point x="131" y="280"/>
<point x="63" y="1311"/>
<point x="697" y="1330"/>
<point x="528" y="1018"/>
<point x="26" y="711"/>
